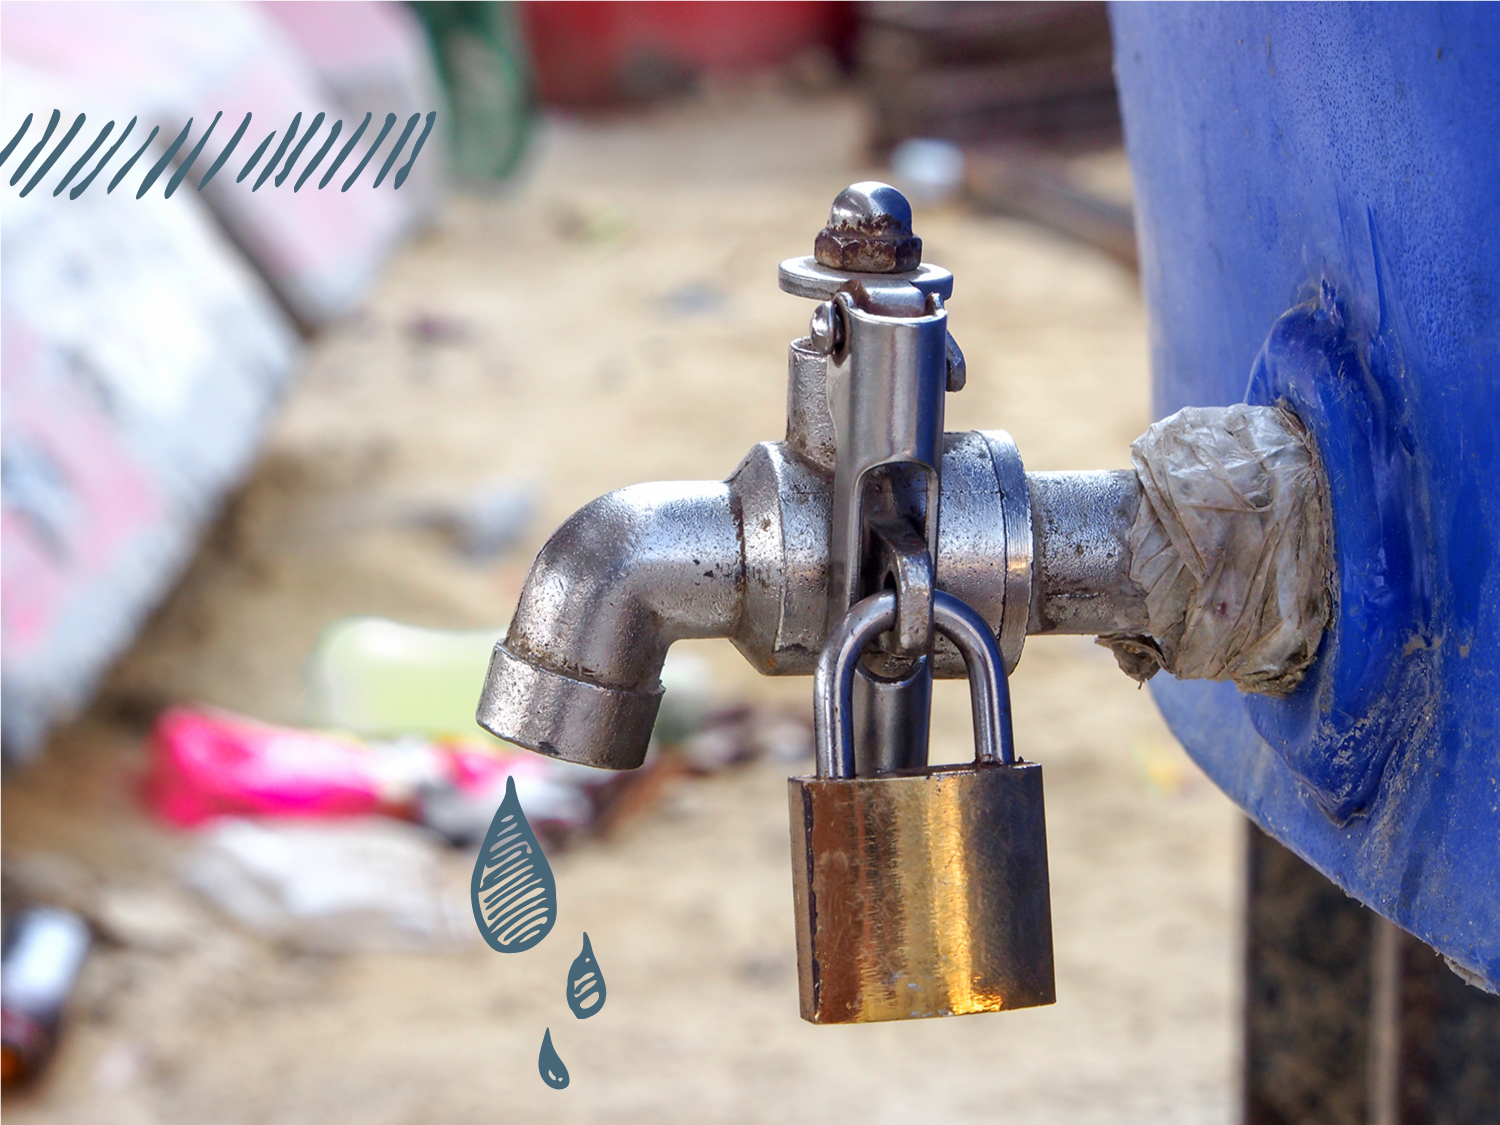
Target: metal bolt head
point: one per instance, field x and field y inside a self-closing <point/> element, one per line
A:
<point x="826" y="329"/>
<point x="869" y="231"/>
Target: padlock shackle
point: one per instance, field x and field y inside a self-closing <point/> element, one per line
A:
<point x="833" y="684"/>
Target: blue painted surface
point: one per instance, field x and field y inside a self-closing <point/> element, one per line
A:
<point x="1318" y="202"/>
<point x="1372" y="688"/>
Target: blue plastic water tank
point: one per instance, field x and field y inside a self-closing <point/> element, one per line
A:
<point x="1318" y="205"/>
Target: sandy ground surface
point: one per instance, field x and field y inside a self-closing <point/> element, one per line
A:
<point x="625" y="325"/>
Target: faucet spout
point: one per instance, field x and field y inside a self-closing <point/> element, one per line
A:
<point x="578" y="674"/>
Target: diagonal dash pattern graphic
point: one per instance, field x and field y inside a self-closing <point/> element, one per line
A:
<point x="160" y="165"/>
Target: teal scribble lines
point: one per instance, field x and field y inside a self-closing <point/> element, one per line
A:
<point x="554" y="1073"/>
<point x="513" y="890"/>
<point x="585" y="983"/>
<point x="268" y="171"/>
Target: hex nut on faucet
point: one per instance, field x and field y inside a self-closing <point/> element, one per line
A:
<point x="869" y="231"/>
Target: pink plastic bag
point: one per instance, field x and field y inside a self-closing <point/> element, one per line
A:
<point x="207" y="763"/>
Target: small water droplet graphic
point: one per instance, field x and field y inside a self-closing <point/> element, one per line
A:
<point x="514" y="891"/>
<point x="585" y="983"/>
<point x="551" y="1067"/>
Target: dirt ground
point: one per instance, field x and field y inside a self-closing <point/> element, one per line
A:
<point x="617" y="320"/>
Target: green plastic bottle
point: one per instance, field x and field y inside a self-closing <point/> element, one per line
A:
<point x="382" y="679"/>
<point x="482" y="59"/>
<point x="379" y="678"/>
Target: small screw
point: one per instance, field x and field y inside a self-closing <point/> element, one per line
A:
<point x="826" y="329"/>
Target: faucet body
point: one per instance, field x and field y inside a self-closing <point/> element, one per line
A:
<point x="748" y="559"/>
<point x="867" y="492"/>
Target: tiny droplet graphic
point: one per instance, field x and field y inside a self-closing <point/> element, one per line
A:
<point x="513" y="889"/>
<point x="551" y="1067"/>
<point x="585" y="983"/>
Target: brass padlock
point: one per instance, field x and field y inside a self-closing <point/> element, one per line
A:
<point x="923" y="892"/>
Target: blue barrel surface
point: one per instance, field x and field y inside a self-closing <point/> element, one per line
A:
<point x="1318" y="206"/>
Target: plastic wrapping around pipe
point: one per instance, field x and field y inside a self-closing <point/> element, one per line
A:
<point x="1230" y="546"/>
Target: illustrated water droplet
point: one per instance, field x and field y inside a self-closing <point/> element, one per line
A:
<point x="514" y="891"/>
<point x="551" y="1067"/>
<point x="585" y="983"/>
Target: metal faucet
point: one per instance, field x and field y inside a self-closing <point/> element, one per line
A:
<point x="866" y="492"/>
<point x="879" y="551"/>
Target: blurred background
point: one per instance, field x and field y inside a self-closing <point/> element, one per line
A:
<point x="275" y="465"/>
